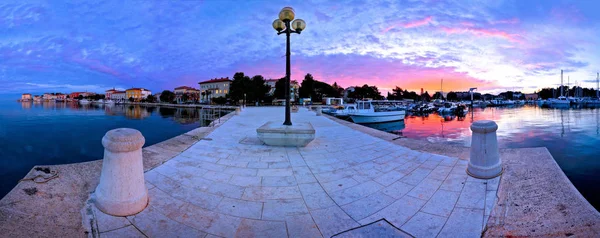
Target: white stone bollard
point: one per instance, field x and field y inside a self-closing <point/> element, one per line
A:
<point x="237" y="110"/>
<point x="484" y="162"/>
<point x="319" y="111"/>
<point x="122" y="190"/>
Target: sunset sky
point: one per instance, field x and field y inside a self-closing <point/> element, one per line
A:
<point x="49" y="46"/>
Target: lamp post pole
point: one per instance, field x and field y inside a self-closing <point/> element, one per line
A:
<point x="284" y="25"/>
<point x="288" y="119"/>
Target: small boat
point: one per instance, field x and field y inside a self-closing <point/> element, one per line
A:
<point x="560" y="100"/>
<point x="370" y="112"/>
<point x="447" y="108"/>
<point x="343" y="111"/>
<point x="109" y="101"/>
<point x="84" y="101"/>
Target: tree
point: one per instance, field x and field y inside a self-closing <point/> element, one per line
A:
<point x="365" y="92"/>
<point x="151" y="98"/>
<point x="307" y="86"/>
<point x="279" y="89"/>
<point x="339" y="90"/>
<point x="167" y="96"/>
<point x="130" y="99"/>
<point x="185" y="97"/>
<point x="438" y="95"/>
<point x="451" y="96"/>
<point x="258" y="88"/>
<point x="79" y="97"/>
<point x="219" y="100"/>
<point x="425" y="96"/>
<point x="238" y="87"/>
<point x="203" y="94"/>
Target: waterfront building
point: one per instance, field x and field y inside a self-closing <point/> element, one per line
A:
<point x="192" y="94"/>
<point x="108" y="93"/>
<point x="137" y="93"/>
<point x="26" y="97"/>
<point x="118" y="96"/>
<point x="60" y="97"/>
<point x="49" y="97"/>
<point x="531" y="96"/>
<point x="37" y="98"/>
<point x="217" y="87"/>
<point x="83" y="94"/>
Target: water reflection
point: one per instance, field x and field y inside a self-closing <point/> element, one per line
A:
<point x="181" y="115"/>
<point x="395" y="127"/>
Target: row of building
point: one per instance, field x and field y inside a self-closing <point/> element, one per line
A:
<point x="213" y="88"/>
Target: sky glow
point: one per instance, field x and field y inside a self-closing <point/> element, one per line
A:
<point x="54" y="46"/>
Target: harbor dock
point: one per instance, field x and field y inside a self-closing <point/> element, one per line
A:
<point x="350" y="181"/>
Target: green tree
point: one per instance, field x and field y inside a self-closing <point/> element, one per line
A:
<point x="451" y="96"/>
<point x="339" y="91"/>
<point x="79" y="97"/>
<point x="307" y="86"/>
<point x="365" y="92"/>
<point x="279" y="89"/>
<point x="185" y="97"/>
<point x="258" y="88"/>
<point x="219" y="100"/>
<point x="151" y="98"/>
<point x="425" y="96"/>
<point x="130" y="99"/>
<point x="240" y="86"/>
<point x="167" y="96"/>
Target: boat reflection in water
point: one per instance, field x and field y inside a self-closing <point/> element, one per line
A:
<point x="394" y="127"/>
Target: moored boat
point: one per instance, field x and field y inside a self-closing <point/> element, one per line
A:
<point x="370" y="112"/>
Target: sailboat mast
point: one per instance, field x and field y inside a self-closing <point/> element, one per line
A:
<point x="442" y="89"/>
<point x="561" y="82"/>
<point x="597" y="84"/>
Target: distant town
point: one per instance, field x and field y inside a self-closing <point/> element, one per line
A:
<point x="242" y="89"/>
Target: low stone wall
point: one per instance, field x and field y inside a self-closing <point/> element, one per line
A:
<point x="535" y="197"/>
<point x="181" y="105"/>
<point x="52" y="209"/>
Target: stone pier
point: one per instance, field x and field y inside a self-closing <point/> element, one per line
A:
<point x="350" y="181"/>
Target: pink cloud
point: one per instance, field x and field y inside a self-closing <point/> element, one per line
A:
<point x="425" y="21"/>
<point x="98" y="66"/>
<point x="483" y="32"/>
<point x="411" y="24"/>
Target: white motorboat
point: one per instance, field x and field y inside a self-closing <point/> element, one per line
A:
<point x="109" y="101"/>
<point x="370" y="112"/>
<point x="560" y="100"/>
<point x="84" y="101"/>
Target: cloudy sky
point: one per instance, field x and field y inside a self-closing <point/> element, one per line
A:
<point x="493" y="45"/>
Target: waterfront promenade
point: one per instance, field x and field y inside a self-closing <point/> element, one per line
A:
<point x="233" y="185"/>
<point x="222" y="181"/>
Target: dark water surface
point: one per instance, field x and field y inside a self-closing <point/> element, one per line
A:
<point x="572" y="135"/>
<point x="60" y="133"/>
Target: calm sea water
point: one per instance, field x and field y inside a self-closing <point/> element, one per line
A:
<point x="59" y="133"/>
<point x="572" y="135"/>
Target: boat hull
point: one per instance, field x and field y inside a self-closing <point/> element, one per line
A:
<point x="377" y="117"/>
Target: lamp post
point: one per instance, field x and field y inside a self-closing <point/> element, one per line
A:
<point x="285" y="25"/>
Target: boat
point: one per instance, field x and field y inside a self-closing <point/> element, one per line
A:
<point x="109" y="101"/>
<point x="596" y="100"/>
<point x="84" y="101"/>
<point x="377" y="111"/>
<point x="343" y="111"/>
<point x="562" y="99"/>
<point x="447" y="108"/>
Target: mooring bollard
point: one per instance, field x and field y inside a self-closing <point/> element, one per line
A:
<point x="237" y="110"/>
<point x="122" y="191"/>
<point x="319" y="111"/>
<point x="484" y="162"/>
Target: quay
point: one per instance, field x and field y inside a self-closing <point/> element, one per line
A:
<point x="351" y="181"/>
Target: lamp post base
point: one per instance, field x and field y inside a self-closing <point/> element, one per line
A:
<point x="298" y="135"/>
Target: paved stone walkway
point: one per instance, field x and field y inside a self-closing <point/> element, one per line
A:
<point x="233" y="186"/>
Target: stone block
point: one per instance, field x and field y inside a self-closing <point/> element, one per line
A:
<point x="276" y="134"/>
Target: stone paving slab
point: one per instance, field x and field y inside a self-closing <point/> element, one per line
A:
<point x="232" y="187"/>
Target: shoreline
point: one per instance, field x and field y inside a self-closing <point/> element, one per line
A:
<point x="534" y="198"/>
